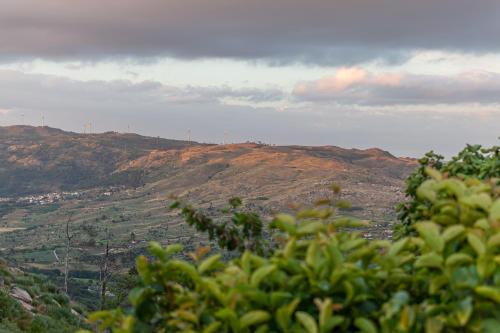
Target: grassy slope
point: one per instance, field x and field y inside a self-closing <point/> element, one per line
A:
<point x="52" y="311"/>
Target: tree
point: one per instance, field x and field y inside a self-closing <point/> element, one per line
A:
<point x="104" y="272"/>
<point x="473" y="161"/>
<point x="66" y="259"/>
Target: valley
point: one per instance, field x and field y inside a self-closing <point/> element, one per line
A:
<point x="109" y="192"/>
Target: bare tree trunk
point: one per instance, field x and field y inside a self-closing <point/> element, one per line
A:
<point x="104" y="274"/>
<point x="66" y="260"/>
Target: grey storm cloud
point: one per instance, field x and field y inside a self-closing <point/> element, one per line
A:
<point x="152" y="108"/>
<point x="357" y="86"/>
<point x="277" y="31"/>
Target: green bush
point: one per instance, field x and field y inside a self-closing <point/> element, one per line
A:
<point x="242" y="231"/>
<point x="472" y="162"/>
<point x="446" y="278"/>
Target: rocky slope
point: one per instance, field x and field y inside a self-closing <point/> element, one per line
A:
<point x="29" y="303"/>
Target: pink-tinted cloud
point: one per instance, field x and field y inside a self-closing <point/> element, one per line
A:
<point x="357" y="86"/>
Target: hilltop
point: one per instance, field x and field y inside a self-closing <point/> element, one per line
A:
<point x="43" y="159"/>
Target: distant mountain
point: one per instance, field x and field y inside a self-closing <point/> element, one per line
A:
<point x="44" y="159"/>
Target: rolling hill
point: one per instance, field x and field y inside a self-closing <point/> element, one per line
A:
<point x="43" y="159"/>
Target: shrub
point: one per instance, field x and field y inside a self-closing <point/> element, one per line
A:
<point x="243" y="230"/>
<point x="446" y="278"/>
<point x="472" y="162"/>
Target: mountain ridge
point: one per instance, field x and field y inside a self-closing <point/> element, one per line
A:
<point x="44" y="159"/>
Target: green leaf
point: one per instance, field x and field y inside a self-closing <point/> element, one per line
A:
<point x="157" y="250"/>
<point x="493" y="242"/>
<point x="452" y="232"/>
<point x="312" y="254"/>
<point x="490" y="325"/>
<point x="437" y="284"/>
<point x="284" y="314"/>
<point x="495" y="211"/>
<point x="492" y="293"/>
<point x="213" y="327"/>
<point x="365" y="325"/>
<point x="433" y="325"/>
<point x="481" y="200"/>
<point x="185" y="268"/>
<point x="455" y="186"/>
<point x="482" y="224"/>
<point x="332" y="322"/>
<point x="433" y="173"/>
<point x="209" y="263"/>
<point x="260" y="274"/>
<point x="253" y="318"/>
<point x="427" y="191"/>
<point x="173" y="249"/>
<point x="136" y="295"/>
<point x="285" y="223"/>
<point x="213" y="288"/>
<point x="463" y="311"/>
<point x="429" y="231"/>
<point x="476" y="243"/>
<point x="430" y="260"/>
<point x="352" y="244"/>
<point x="307" y="321"/>
<point x="187" y="316"/>
<point x="458" y="259"/>
<point x="310" y="228"/>
<point x="397" y="247"/>
<point x="142" y="265"/>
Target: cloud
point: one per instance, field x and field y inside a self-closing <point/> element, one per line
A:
<point x="357" y="86"/>
<point x="278" y="31"/>
<point x="19" y="90"/>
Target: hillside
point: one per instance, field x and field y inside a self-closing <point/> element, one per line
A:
<point x="44" y="159"/>
<point x="145" y="172"/>
<point x="29" y="303"/>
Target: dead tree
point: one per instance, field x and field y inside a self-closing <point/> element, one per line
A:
<point x="66" y="259"/>
<point x="105" y="271"/>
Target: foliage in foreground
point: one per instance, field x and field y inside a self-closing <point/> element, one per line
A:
<point x="446" y="278"/>
<point x="473" y="161"/>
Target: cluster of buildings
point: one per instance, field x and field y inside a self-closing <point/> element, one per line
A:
<point x="47" y="198"/>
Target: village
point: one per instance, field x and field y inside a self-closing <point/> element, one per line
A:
<point x="55" y="197"/>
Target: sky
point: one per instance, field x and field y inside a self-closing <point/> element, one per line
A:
<point x="402" y="75"/>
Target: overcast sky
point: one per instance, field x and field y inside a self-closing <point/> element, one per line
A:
<point x="403" y="75"/>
